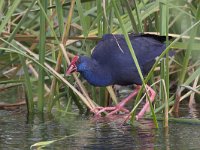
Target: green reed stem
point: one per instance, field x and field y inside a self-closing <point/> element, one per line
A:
<point x="132" y="19"/>
<point x="28" y="85"/>
<point x="42" y="37"/>
<point x="82" y="17"/>
<point x="164" y="13"/>
<point x="133" y="55"/>
<point x="54" y="84"/>
<point x="140" y="29"/>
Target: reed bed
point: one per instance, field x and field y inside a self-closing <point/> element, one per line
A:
<point x="38" y="39"/>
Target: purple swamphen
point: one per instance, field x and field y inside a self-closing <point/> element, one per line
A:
<point x="111" y="63"/>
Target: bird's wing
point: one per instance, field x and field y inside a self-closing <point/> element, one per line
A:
<point x="110" y="47"/>
<point x="113" y="50"/>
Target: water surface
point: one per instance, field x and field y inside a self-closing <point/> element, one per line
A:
<point x="18" y="132"/>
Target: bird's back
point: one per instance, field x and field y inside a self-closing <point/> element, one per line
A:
<point x="112" y="54"/>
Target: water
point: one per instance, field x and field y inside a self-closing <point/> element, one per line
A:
<point x="17" y="133"/>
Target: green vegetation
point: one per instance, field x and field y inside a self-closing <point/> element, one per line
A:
<point x="38" y="39"/>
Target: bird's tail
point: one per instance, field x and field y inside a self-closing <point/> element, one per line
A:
<point x="162" y="39"/>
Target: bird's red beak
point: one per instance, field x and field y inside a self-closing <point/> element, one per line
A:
<point x="72" y="67"/>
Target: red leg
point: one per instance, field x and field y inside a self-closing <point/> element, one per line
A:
<point x="118" y="107"/>
<point x="152" y="95"/>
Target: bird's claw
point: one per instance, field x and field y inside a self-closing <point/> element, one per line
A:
<point x="109" y="110"/>
<point x="96" y="110"/>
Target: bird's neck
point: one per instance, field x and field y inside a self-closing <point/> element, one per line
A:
<point x="97" y="75"/>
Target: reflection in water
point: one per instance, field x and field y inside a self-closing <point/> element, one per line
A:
<point x="166" y="138"/>
<point x="104" y="133"/>
<point x="109" y="134"/>
<point x="194" y="110"/>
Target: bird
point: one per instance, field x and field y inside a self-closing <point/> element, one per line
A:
<point x="111" y="63"/>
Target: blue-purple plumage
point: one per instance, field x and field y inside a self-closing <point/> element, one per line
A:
<point x="111" y="61"/>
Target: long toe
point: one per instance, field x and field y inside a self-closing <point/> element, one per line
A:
<point x="104" y="109"/>
<point x="109" y="110"/>
<point x="118" y="109"/>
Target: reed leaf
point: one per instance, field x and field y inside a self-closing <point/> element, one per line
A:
<point x="28" y="85"/>
<point x="164" y="19"/>
<point x="7" y="17"/>
<point x="42" y="56"/>
<point x="82" y="17"/>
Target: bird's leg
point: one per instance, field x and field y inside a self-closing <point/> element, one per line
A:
<point x="120" y="106"/>
<point x="152" y="95"/>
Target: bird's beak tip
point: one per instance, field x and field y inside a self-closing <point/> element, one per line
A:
<point x="72" y="67"/>
<point x="70" y="70"/>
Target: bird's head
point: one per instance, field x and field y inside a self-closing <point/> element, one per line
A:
<point x="80" y="64"/>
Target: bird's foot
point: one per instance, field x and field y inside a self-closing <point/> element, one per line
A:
<point x="119" y="107"/>
<point x="110" y="110"/>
